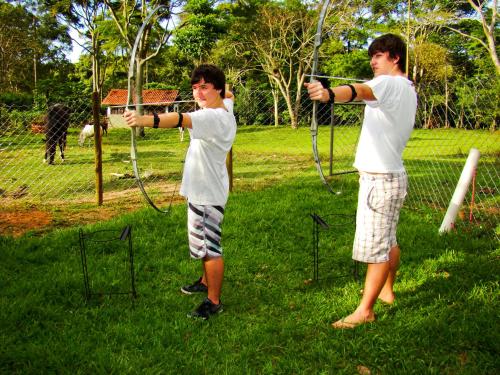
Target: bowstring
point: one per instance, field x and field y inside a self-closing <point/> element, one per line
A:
<point x="133" y="141"/>
<point x="314" y="73"/>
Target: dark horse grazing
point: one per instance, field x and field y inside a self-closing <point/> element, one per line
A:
<point x="56" y="128"/>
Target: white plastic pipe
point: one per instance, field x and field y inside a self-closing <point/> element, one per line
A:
<point x="460" y="190"/>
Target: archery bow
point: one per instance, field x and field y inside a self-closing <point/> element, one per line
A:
<point x="133" y="143"/>
<point x="314" y="73"/>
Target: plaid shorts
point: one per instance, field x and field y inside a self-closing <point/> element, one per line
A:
<point x="380" y="199"/>
<point x="204" y="230"/>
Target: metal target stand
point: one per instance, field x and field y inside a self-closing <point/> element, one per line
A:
<point x="319" y="224"/>
<point x="104" y="239"/>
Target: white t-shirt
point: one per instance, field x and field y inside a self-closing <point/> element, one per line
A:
<point x="205" y="180"/>
<point x="387" y="125"/>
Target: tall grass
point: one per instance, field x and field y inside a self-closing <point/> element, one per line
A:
<point x="445" y="320"/>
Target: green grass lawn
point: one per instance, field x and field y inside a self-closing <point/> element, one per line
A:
<point x="445" y="320"/>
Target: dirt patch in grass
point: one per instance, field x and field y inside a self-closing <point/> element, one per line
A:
<point x="16" y="223"/>
<point x="17" y="218"/>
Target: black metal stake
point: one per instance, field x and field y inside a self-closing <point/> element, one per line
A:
<point x="320" y="223"/>
<point x="126" y="234"/>
<point x="317" y="221"/>
<point x="83" y="257"/>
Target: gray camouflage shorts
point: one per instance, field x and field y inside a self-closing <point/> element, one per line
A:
<point x="204" y="230"/>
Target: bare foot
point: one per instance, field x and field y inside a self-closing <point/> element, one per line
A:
<point x="352" y="321"/>
<point x="387" y="299"/>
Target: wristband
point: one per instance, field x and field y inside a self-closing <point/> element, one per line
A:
<point x="179" y="123"/>
<point x="156" y="120"/>
<point x="331" y="95"/>
<point x="353" y="93"/>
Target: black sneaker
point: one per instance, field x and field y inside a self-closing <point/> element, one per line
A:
<point x="206" y="309"/>
<point x="197" y="287"/>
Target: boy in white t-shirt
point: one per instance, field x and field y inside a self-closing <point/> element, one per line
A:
<point x="205" y="181"/>
<point x="391" y="104"/>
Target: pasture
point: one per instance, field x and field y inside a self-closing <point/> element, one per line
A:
<point x="262" y="156"/>
<point x="275" y="321"/>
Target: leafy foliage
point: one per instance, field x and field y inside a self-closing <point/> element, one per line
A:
<point x="32" y="46"/>
<point x="204" y="25"/>
<point x="446" y="39"/>
<point x="15" y="99"/>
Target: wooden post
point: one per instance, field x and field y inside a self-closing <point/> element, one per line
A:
<point x="96" y="105"/>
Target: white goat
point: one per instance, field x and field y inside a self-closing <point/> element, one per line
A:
<point x="88" y="132"/>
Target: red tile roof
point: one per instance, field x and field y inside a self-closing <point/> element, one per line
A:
<point x="159" y="97"/>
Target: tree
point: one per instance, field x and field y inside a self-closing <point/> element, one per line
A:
<point x="85" y="16"/>
<point x="474" y="20"/>
<point x="31" y="44"/>
<point x="282" y="39"/>
<point x="240" y="18"/>
<point x="203" y="25"/>
<point x="171" y="68"/>
<point x="17" y="47"/>
<point x="281" y="45"/>
<point x="128" y="16"/>
<point x="486" y="11"/>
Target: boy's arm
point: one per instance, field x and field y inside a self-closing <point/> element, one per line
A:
<point x="342" y="93"/>
<point x="166" y="120"/>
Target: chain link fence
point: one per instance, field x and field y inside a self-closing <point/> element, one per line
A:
<point x="450" y="121"/>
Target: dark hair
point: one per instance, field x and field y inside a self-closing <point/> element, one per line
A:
<point x="210" y="74"/>
<point x="394" y="45"/>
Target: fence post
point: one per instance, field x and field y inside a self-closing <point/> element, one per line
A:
<point x="96" y="105"/>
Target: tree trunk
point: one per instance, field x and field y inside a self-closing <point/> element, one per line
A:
<point x="276" y="99"/>
<point x="291" y="111"/>
<point x="446" y="123"/>
<point x="428" y="124"/>
<point x="297" y="104"/>
<point x="290" y="107"/>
